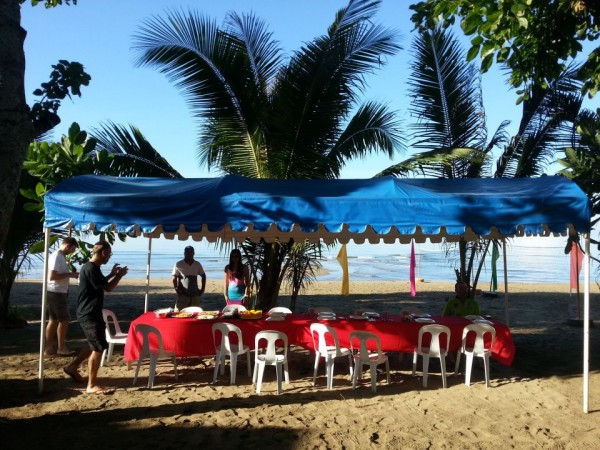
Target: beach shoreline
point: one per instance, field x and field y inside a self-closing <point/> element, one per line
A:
<point x="535" y="403"/>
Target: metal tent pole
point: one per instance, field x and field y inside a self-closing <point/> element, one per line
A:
<point x="148" y="275"/>
<point x="506" y="315"/>
<point x="586" y="325"/>
<point x="43" y="319"/>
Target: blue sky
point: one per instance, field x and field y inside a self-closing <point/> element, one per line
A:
<point x="98" y="34"/>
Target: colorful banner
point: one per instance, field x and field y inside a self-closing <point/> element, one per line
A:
<point x="413" y="285"/>
<point x="576" y="262"/>
<point x="342" y="258"/>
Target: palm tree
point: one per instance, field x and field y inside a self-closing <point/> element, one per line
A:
<point x="582" y="159"/>
<point x="451" y="129"/>
<point x="265" y="116"/>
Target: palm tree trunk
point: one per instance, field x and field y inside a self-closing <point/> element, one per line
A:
<point x="268" y="289"/>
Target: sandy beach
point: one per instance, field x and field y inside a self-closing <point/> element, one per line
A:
<point x="535" y="403"/>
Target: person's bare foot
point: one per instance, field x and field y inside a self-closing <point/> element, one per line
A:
<point x="65" y="352"/>
<point x="73" y="373"/>
<point x="50" y="352"/>
<point x="99" y="390"/>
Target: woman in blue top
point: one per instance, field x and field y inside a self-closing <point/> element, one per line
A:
<point x="237" y="279"/>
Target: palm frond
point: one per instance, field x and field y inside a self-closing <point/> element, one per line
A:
<point x="132" y="154"/>
<point x="546" y="127"/>
<point x="217" y="73"/>
<point x="318" y="88"/>
<point x="441" y="163"/>
<point x="373" y="128"/>
<point x="446" y="92"/>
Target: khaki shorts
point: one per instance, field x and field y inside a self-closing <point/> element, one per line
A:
<point x="183" y="301"/>
<point x="58" y="306"/>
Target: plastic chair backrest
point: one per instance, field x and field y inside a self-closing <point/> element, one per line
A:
<point x="364" y="337"/>
<point x="146" y="331"/>
<point x="480" y="330"/>
<point x="225" y="328"/>
<point x="271" y="336"/>
<point x="192" y="309"/>
<point x="232" y="308"/>
<point x="320" y="344"/>
<point x="108" y="316"/>
<point x="360" y="312"/>
<point x="280" y="309"/>
<point x="435" y="331"/>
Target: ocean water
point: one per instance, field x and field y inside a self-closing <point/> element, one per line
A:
<point x="528" y="260"/>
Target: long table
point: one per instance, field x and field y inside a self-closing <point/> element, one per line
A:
<point x="189" y="337"/>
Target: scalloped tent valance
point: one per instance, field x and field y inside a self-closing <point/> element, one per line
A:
<point x="385" y="209"/>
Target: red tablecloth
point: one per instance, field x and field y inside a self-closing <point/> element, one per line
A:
<point x="192" y="337"/>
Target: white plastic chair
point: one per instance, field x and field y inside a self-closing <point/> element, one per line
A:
<point x="280" y="309"/>
<point x="192" y="309"/>
<point x="329" y="352"/>
<point x="232" y="308"/>
<point x="360" y="312"/>
<point x="153" y="354"/>
<point x="224" y="348"/>
<point x="271" y="357"/>
<point x="118" y="337"/>
<point x="435" y="350"/>
<point x="477" y="349"/>
<point x="366" y="357"/>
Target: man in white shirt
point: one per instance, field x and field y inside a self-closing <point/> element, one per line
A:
<point x="58" y="291"/>
<point x="185" y="280"/>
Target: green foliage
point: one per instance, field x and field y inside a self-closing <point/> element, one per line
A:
<point x="269" y="117"/>
<point x="51" y="3"/>
<point x="582" y="161"/>
<point x="535" y="39"/>
<point x="266" y="116"/>
<point x="66" y="79"/>
<point x="52" y="163"/>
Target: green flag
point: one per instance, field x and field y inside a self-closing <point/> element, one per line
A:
<point x="495" y="256"/>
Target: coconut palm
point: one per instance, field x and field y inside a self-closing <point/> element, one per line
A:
<point x="266" y="116"/>
<point x="451" y="131"/>
<point x="582" y="159"/>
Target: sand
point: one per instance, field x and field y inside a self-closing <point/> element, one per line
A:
<point x="536" y="403"/>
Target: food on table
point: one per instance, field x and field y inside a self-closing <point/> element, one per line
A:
<point x="251" y="314"/>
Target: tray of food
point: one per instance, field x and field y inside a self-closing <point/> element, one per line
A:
<point x="182" y="315"/>
<point x="251" y="314"/>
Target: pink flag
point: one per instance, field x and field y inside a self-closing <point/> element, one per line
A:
<point x="576" y="262"/>
<point x="413" y="287"/>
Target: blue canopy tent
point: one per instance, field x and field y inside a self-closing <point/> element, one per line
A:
<point x="381" y="209"/>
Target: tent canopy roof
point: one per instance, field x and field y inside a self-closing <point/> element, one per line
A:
<point x="386" y="208"/>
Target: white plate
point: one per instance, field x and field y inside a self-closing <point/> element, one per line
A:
<point x="483" y="321"/>
<point x="359" y="317"/>
<point x="473" y="317"/>
<point x="275" y="318"/>
<point x="424" y="320"/>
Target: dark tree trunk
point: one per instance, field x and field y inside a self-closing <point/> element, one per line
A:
<point x="15" y="124"/>
<point x="269" y="285"/>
